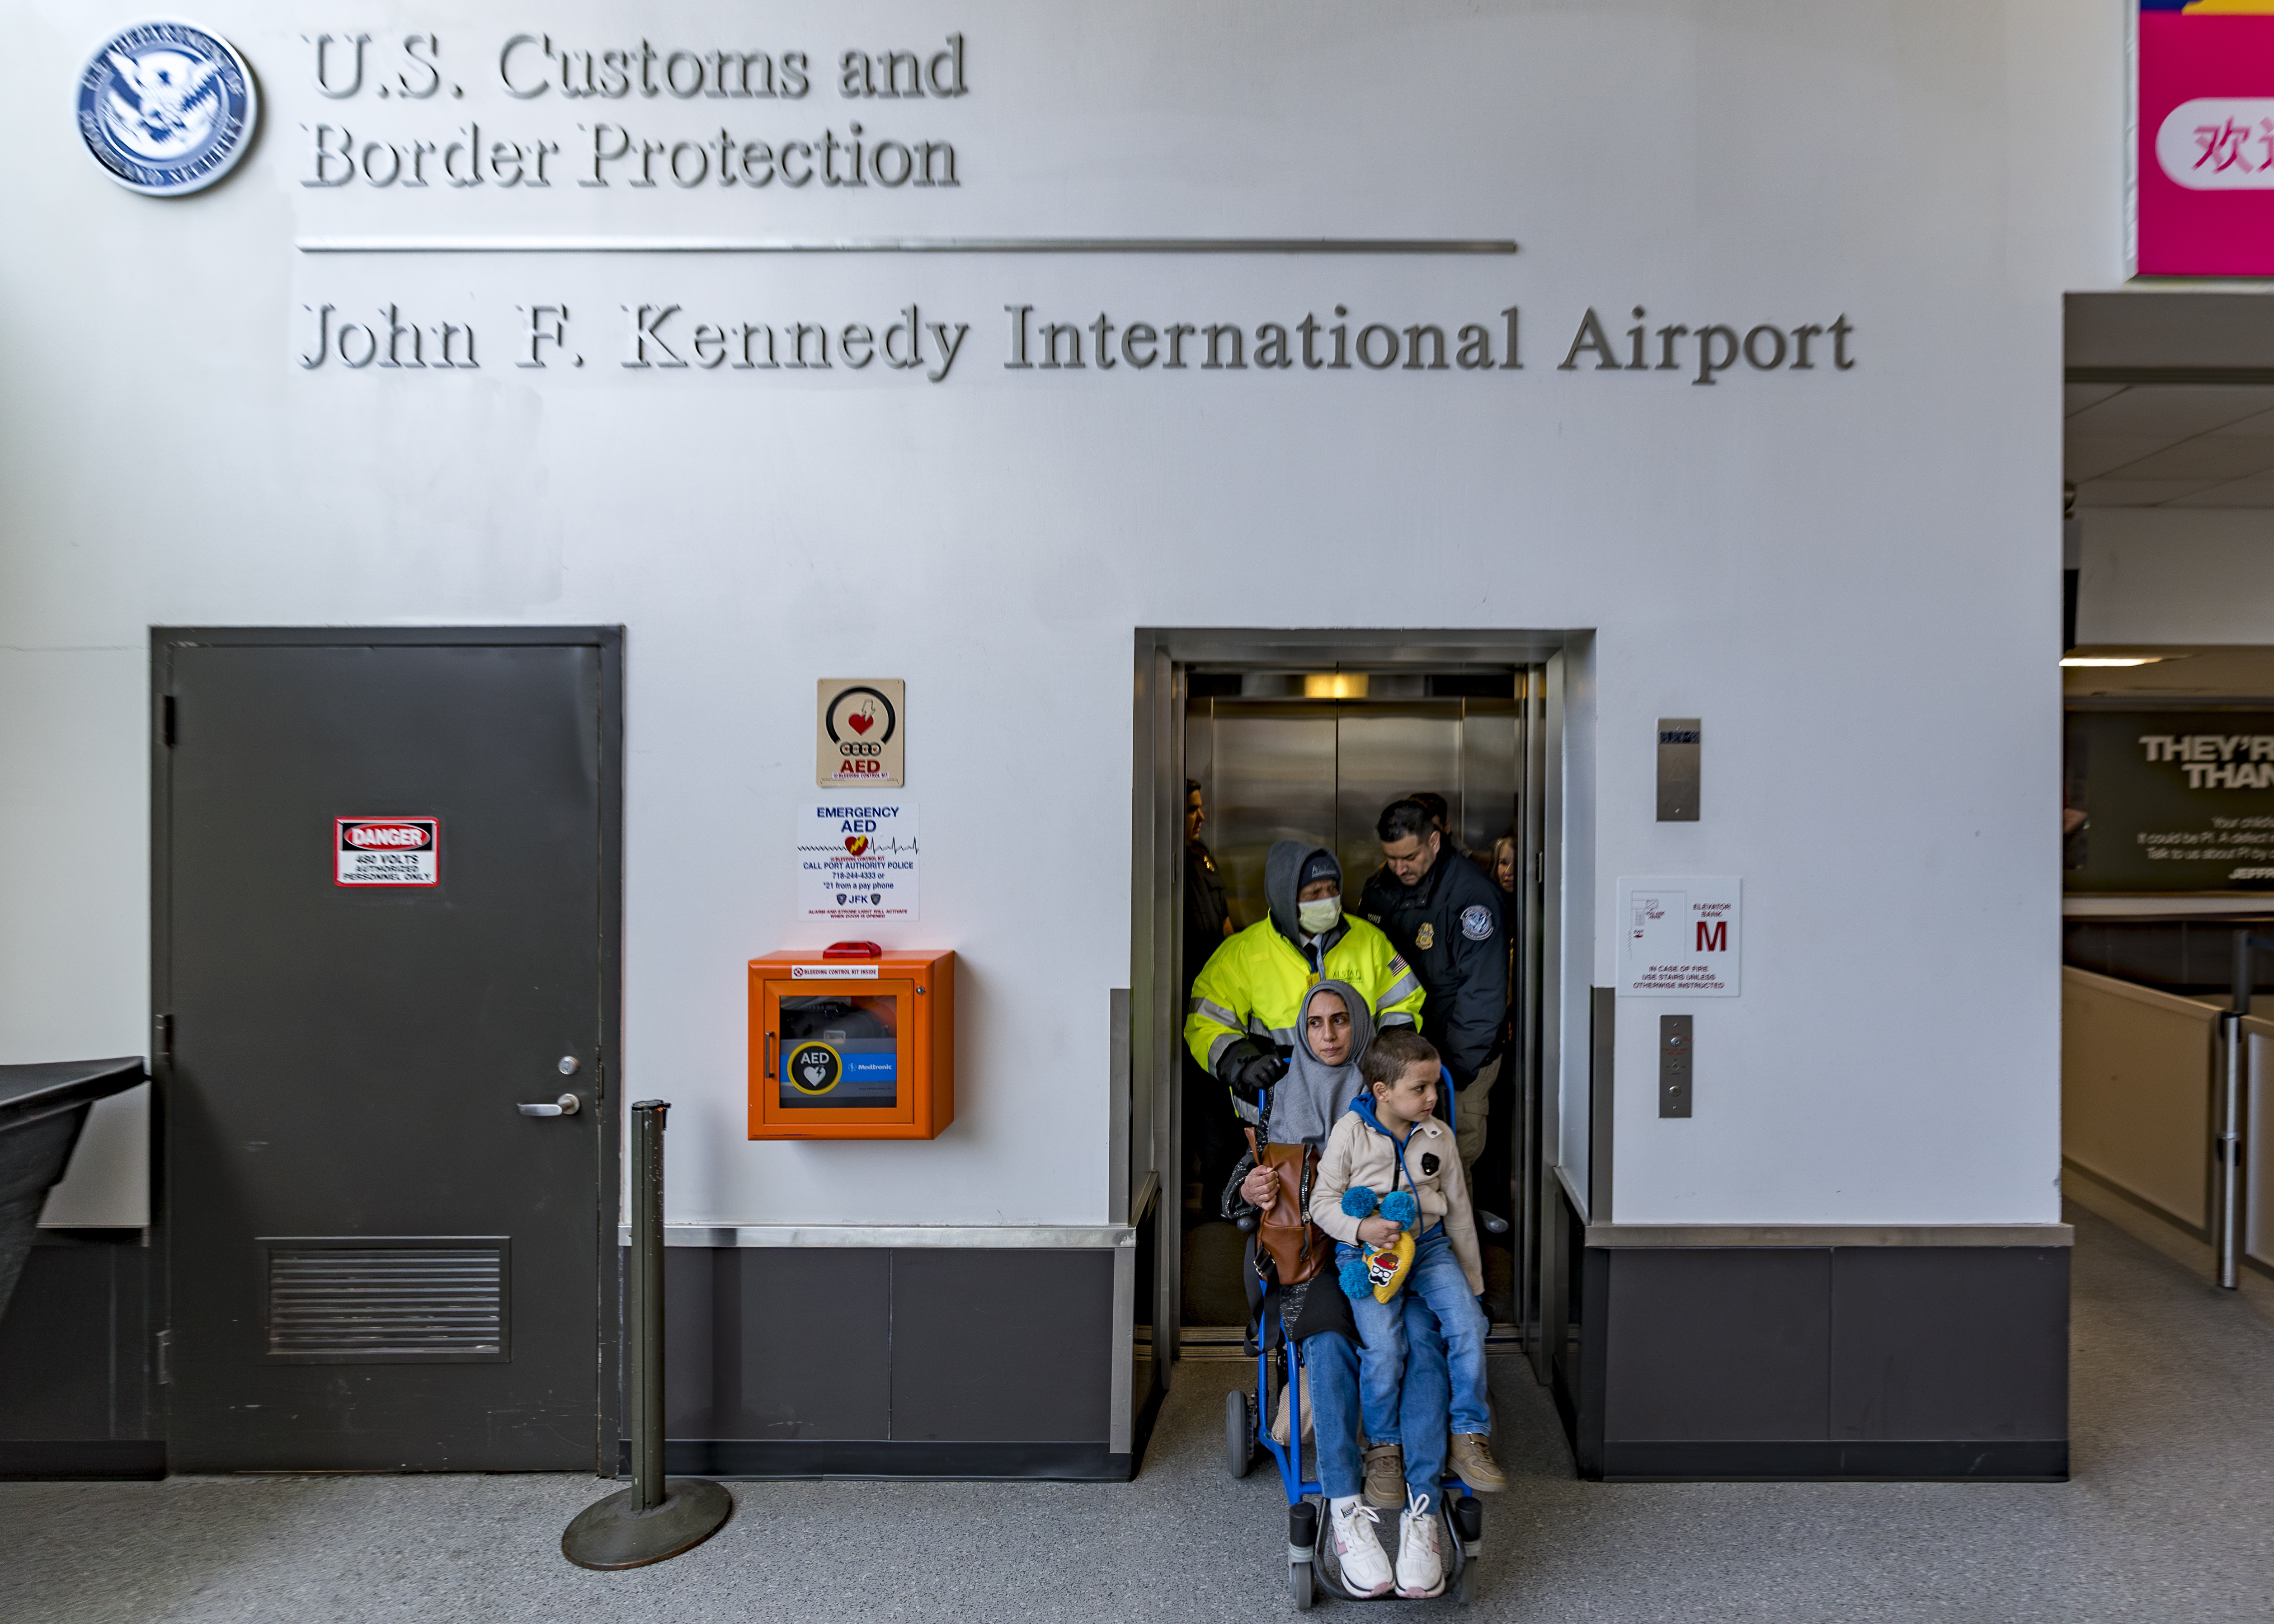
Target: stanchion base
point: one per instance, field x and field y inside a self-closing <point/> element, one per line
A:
<point x="614" y="1532"/>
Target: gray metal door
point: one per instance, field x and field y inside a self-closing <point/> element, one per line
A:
<point x="385" y="904"/>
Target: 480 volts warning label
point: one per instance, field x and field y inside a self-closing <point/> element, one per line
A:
<point x="388" y="851"/>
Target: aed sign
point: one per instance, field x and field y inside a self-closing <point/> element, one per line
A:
<point x="1679" y="937"/>
<point x="858" y="733"/>
<point x="386" y="851"/>
<point x="856" y="860"/>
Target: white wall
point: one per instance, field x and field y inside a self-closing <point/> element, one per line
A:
<point x="1847" y="575"/>
<point x="2176" y="575"/>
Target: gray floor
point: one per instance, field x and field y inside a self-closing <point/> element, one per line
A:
<point x="2168" y="1519"/>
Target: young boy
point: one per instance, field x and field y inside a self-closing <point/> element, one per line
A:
<point x="1390" y="1141"/>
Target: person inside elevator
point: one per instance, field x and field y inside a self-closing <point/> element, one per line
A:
<point x="1212" y="1132"/>
<point x="1441" y="814"/>
<point x="1294" y="1258"/>
<point x="1391" y="1142"/>
<point x="1247" y="998"/>
<point x="1447" y="920"/>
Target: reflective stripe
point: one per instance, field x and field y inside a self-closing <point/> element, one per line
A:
<point x="1215" y="1012"/>
<point x="1399" y="1018"/>
<point x="1403" y="987"/>
<point x="1279" y="1035"/>
<point x="1247" y="1113"/>
<point x="1215" y="1049"/>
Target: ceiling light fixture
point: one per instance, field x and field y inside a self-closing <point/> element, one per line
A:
<point x="2113" y="659"/>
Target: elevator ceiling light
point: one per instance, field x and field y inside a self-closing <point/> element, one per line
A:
<point x="2113" y="659"/>
<point x="1335" y="685"/>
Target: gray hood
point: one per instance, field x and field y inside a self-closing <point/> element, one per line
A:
<point x="1307" y="1102"/>
<point x="1282" y="865"/>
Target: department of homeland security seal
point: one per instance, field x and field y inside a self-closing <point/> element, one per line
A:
<point x="166" y="108"/>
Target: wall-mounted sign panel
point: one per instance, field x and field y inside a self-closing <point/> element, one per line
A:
<point x="2165" y="801"/>
<point x="1679" y="937"/>
<point x="858" y="733"/>
<point x="856" y="860"/>
<point x="386" y="851"/>
<point x="2206" y="155"/>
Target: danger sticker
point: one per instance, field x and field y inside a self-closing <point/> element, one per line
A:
<point x="388" y="851"/>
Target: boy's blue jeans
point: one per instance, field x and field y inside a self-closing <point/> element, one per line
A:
<point x="1414" y="1405"/>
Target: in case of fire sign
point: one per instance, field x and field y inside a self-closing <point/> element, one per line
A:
<point x="1679" y="937"/>
<point x="388" y="851"/>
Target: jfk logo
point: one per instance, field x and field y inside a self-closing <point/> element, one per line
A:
<point x="166" y="108"/>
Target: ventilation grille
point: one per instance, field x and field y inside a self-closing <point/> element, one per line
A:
<point x="371" y="1303"/>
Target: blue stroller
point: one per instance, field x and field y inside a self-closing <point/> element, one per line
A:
<point x="1278" y="1362"/>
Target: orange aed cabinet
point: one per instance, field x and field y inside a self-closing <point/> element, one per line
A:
<point x="852" y="1042"/>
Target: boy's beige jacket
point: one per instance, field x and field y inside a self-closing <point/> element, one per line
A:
<point x="1358" y="1152"/>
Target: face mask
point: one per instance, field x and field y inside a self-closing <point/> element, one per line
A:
<point x="1317" y="918"/>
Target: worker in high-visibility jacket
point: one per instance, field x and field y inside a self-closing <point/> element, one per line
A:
<point x="1241" y="1024"/>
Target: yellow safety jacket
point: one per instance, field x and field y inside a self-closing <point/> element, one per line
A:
<point x="1255" y="984"/>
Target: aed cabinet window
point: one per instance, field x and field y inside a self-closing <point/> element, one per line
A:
<point x="841" y="1053"/>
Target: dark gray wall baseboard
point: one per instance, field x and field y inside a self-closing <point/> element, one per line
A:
<point x="747" y="1459"/>
<point x="1912" y="1460"/>
<point x="63" y="1459"/>
<point x="1798" y="1362"/>
<point x="899" y="1362"/>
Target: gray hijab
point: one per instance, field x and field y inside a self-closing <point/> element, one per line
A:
<point x="1308" y="1102"/>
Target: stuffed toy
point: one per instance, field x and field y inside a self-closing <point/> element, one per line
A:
<point x="1380" y="1269"/>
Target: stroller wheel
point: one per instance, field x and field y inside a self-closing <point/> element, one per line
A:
<point x="1239" y="1435"/>
<point x="1300" y="1583"/>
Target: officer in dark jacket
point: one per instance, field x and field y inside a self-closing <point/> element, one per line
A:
<point x="1445" y="916"/>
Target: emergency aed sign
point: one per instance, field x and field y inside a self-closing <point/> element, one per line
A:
<point x="386" y="851"/>
<point x="1679" y="937"/>
<point x="857" y="733"/>
<point x="856" y="859"/>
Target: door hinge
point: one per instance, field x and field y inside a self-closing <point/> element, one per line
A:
<point x="165" y="1035"/>
<point x="165" y="1358"/>
<point x="166" y="720"/>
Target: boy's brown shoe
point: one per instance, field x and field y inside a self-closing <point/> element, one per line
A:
<point x="1472" y="1464"/>
<point x="1385" y="1476"/>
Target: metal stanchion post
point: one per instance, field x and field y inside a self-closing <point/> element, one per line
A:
<point x="656" y="1518"/>
<point x="2226" y="1165"/>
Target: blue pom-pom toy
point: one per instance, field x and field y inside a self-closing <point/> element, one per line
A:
<point x="1359" y="1202"/>
<point x="1352" y="1272"/>
<point x="1399" y="1208"/>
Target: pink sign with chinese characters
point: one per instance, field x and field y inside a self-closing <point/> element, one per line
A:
<point x="2206" y="161"/>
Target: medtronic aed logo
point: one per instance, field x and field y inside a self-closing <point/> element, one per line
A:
<point x="166" y="108"/>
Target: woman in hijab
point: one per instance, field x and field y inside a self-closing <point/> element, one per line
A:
<point x="1322" y="1077"/>
<point x="1332" y="1031"/>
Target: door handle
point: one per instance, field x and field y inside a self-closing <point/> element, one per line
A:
<point x="770" y="1054"/>
<point x="567" y="1105"/>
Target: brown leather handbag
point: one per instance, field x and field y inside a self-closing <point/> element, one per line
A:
<point x="1297" y="1248"/>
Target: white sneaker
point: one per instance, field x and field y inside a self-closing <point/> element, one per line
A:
<point x="1420" y="1562"/>
<point x="1364" y="1566"/>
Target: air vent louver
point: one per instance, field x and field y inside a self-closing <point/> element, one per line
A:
<point x="386" y="1303"/>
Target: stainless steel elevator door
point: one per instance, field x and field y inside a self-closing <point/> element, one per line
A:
<point x="1321" y="770"/>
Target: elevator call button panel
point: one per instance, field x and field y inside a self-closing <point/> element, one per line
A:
<point x="852" y="1042"/>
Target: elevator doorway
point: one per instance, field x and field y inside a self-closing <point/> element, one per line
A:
<point x="1315" y="755"/>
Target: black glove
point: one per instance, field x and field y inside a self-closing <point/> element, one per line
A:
<point x="1248" y="1069"/>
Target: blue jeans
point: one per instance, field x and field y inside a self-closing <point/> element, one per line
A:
<point x="1411" y="1399"/>
<point x="1333" y="1364"/>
